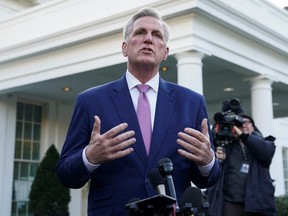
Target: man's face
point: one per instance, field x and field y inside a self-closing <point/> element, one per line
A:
<point x="146" y="45"/>
<point x="247" y="126"/>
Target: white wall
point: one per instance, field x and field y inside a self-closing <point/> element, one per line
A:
<point x="276" y="168"/>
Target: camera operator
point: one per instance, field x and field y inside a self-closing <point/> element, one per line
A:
<point x="245" y="187"/>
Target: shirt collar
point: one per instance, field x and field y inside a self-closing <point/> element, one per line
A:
<point x="132" y="81"/>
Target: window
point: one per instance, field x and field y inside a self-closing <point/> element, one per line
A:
<point x="27" y="155"/>
<point x="285" y="168"/>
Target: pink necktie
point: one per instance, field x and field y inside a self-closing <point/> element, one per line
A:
<point x="144" y="116"/>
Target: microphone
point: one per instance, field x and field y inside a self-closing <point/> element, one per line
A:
<point x="157" y="181"/>
<point x="192" y="197"/>
<point x="165" y="167"/>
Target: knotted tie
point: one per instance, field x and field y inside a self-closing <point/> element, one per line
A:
<point x="144" y="116"/>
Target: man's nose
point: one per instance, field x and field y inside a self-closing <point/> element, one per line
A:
<point x="149" y="38"/>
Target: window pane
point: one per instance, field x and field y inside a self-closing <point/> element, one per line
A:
<point x="33" y="170"/>
<point x="22" y="208"/>
<point x="18" y="149"/>
<point x="19" y="130"/>
<point x="284" y="151"/>
<point x="27" y="150"/>
<point x="24" y="171"/>
<point x="20" y="111"/>
<point x="14" y="208"/>
<point x="28" y="112"/>
<point x="28" y="131"/>
<point x="37" y="130"/>
<point x="36" y="151"/>
<point x="286" y="174"/>
<point x="16" y="170"/>
<point x="37" y="114"/>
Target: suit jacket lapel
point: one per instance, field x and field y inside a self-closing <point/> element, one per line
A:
<point x="164" y="108"/>
<point x="165" y="105"/>
<point x="123" y="104"/>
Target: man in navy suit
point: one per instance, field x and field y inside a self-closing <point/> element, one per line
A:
<point x="104" y="143"/>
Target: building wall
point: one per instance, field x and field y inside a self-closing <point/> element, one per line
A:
<point x="276" y="169"/>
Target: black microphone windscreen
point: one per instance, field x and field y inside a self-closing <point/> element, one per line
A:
<point x="164" y="160"/>
<point x="193" y="196"/>
<point x="155" y="178"/>
<point x="165" y="166"/>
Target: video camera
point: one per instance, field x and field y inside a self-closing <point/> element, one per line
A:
<point x="225" y="121"/>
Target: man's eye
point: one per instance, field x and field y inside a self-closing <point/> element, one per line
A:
<point x="158" y="35"/>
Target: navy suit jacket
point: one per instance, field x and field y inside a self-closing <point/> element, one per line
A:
<point x="113" y="184"/>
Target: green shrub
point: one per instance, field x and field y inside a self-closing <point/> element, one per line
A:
<point x="282" y="205"/>
<point x="47" y="196"/>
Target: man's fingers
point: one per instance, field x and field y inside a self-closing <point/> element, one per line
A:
<point x="116" y="130"/>
<point x="123" y="136"/>
<point x="124" y="144"/>
<point x="205" y="130"/>
<point x="123" y="153"/>
<point x="97" y="125"/>
<point x="109" y="134"/>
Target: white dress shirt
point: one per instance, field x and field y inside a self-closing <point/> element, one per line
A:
<point x="151" y="93"/>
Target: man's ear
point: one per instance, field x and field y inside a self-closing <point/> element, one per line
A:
<point x="166" y="53"/>
<point x="124" y="49"/>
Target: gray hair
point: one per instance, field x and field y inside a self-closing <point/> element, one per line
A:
<point x="151" y="12"/>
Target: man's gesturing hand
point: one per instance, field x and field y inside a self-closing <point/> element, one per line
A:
<point x="196" y="144"/>
<point x="111" y="145"/>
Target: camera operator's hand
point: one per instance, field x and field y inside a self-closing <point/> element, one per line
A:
<point x="237" y="131"/>
<point x="220" y="153"/>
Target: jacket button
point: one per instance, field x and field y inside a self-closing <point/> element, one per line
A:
<point x="147" y="181"/>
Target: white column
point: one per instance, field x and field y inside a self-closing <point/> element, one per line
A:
<point x="75" y="205"/>
<point x="79" y="200"/>
<point x="7" y="146"/>
<point x="189" y="65"/>
<point x="261" y="104"/>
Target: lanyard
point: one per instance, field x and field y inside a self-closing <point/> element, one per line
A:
<point x="244" y="150"/>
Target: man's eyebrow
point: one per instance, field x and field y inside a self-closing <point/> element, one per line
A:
<point x="140" y="28"/>
<point x="145" y="29"/>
